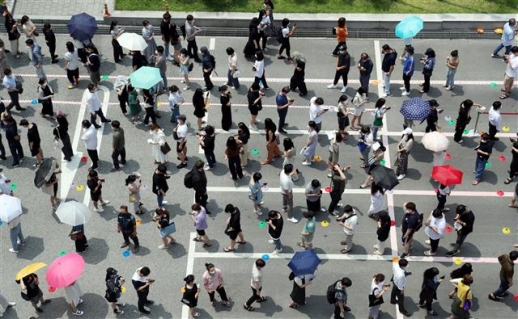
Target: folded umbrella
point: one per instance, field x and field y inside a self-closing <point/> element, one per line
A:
<point x="44" y="172"/>
<point x="10" y="208"/>
<point x="65" y="270"/>
<point x="384" y="176"/>
<point x="145" y="77"/>
<point x="415" y="109"/>
<point x="435" y="142"/>
<point x="27" y="270"/>
<point x="132" y="41"/>
<point x="73" y="213"/>
<point x="447" y="175"/>
<point x="304" y="262"/>
<point x="409" y="27"/>
<point x="82" y="26"/>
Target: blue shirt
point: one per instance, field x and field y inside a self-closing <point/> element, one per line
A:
<point x="409" y="66"/>
<point x="36" y="54"/>
<point x="281" y="100"/>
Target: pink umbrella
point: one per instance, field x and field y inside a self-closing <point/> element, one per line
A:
<point x="65" y="270"/>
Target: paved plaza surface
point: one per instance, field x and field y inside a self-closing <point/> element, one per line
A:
<point x="46" y="237"/>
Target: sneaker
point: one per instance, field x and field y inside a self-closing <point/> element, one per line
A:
<point x="105" y="202"/>
<point x="429" y="253"/>
<point x="136" y="249"/>
<point x="70" y="86"/>
<point x="258" y="212"/>
<point x="77" y="312"/>
<point x="376" y="246"/>
<point x="400" y="177"/>
<point x="186" y="88"/>
<point x="98" y="210"/>
<point x="403" y="255"/>
<point x="13" y="251"/>
<point x="306" y="163"/>
<point x="460" y="141"/>
<point x="293" y="220"/>
<point x="270" y="241"/>
<point x="144" y="311"/>
<point x="402" y="88"/>
<point x="323" y="210"/>
<point x="332" y="86"/>
<point x="118" y="312"/>
<point x="206" y="167"/>
<point x="181" y="165"/>
<point x="405" y="93"/>
<point x="495" y="56"/>
<point x="253" y="128"/>
<point x="377" y="252"/>
<point x="276" y="251"/>
<point x="428" y="242"/>
<point x="162" y="247"/>
<point x="164" y="202"/>
<point x="125" y="244"/>
<point x="344" y="89"/>
<point x="257" y="121"/>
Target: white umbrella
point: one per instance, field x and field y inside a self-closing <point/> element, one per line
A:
<point x="435" y="142"/>
<point x="132" y="41"/>
<point x="73" y="213"/>
<point x="10" y="208"/>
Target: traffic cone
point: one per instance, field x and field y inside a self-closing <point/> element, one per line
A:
<point x="106" y="12"/>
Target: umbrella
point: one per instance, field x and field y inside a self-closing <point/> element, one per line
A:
<point x="44" y="172"/>
<point x="73" y="213"/>
<point x="304" y="262"/>
<point x="27" y="270"/>
<point x="65" y="270"/>
<point x="447" y="175"/>
<point x="145" y="77"/>
<point x="384" y="177"/>
<point x="409" y="27"/>
<point x="10" y="208"/>
<point x="415" y="109"/>
<point x="435" y="142"/>
<point x="82" y="26"/>
<point x="132" y="41"/>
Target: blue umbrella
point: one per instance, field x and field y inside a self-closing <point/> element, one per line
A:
<point x="82" y="26"/>
<point x="409" y="27"/>
<point x="304" y="262"/>
<point x="145" y="77"/>
<point x="415" y="109"/>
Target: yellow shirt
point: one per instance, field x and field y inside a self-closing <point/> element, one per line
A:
<point x="462" y="290"/>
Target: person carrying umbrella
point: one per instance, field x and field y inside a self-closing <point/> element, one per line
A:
<point x="74" y="293"/>
<point x="77" y="234"/>
<point x="298" y="293"/>
<point x="32" y="292"/>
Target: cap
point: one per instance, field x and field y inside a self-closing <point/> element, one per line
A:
<point x="407" y="131"/>
<point x="24" y="122"/>
<point x="433" y="103"/>
<point x="204" y="49"/>
<point x="181" y="117"/>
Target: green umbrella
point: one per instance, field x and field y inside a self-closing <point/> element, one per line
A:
<point x="145" y="77"/>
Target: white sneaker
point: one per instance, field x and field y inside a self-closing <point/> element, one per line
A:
<point x="293" y="220"/>
<point x="376" y="246"/>
<point x="106" y="202"/>
<point x="183" y="81"/>
<point x="344" y="89"/>
<point x="270" y="241"/>
<point x="402" y="88"/>
<point x="80" y="301"/>
<point x="427" y="242"/>
<point x="162" y="247"/>
<point x="99" y="209"/>
<point x="323" y="210"/>
<point x="377" y="252"/>
<point x="78" y="313"/>
<point x="405" y="93"/>
<point x="383" y="95"/>
<point x="186" y="88"/>
<point x="400" y="177"/>
<point x="383" y="85"/>
<point x="12" y="250"/>
<point x="275" y="252"/>
<point x="258" y="212"/>
<point x="331" y="86"/>
<point x="253" y="128"/>
<point x="306" y="163"/>
<point x="206" y="167"/>
<point x="257" y="121"/>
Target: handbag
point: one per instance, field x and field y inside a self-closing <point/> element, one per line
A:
<point x="25" y="296"/>
<point x="73" y="236"/>
<point x="175" y="134"/>
<point x="36" y="34"/>
<point x="467" y="302"/>
<point x="373" y="301"/>
<point x="236" y="74"/>
<point x="132" y="198"/>
<point x="168" y="230"/>
<point x="165" y="148"/>
<point x="251" y="196"/>
<point x="190" y="67"/>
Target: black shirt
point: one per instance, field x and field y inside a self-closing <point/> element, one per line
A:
<point x="409" y="222"/>
<point x="126" y="222"/>
<point x="208" y="143"/>
<point x="432" y="119"/>
<point x="389" y="60"/>
<point x="463" y="118"/>
<point x="33" y="135"/>
<point x="49" y="36"/>
<point x="164" y="29"/>
<point x="235" y="221"/>
<point x="95" y="62"/>
<point x="278" y="223"/>
<point x="243" y="137"/>
<point x="199" y="180"/>
<point x="485" y="147"/>
<point x="252" y="96"/>
<point x="11" y="131"/>
<point x="159" y="182"/>
<point x="344" y="60"/>
<point x="469" y="219"/>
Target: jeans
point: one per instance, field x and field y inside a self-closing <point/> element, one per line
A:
<point x="500" y="47"/>
<point x="211" y="158"/>
<point x="16" y="152"/>
<point x="159" y="200"/>
<point x="115" y="157"/>
<point x="406" y="80"/>
<point x="282" y="117"/>
<point x="387" y="84"/>
<point x="504" y="285"/>
<point x="450" y="78"/>
<point x="166" y="49"/>
<point x="232" y="81"/>
<point x="256" y="296"/>
<point x="364" y="82"/>
<point x="73" y="76"/>
<point x="375" y="130"/>
<point x="15" y="234"/>
<point x="164" y="80"/>
<point x="480" y="166"/>
<point x="277" y="242"/>
<point x="365" y="155"/>
<point x="175" y="112"/>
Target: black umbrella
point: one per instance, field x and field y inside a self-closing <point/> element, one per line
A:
<point x="82" y="26"/>
<point x="44" y="172"/>
<point x="384" y="177"/>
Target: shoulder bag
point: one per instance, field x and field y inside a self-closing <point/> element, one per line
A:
<point x="373" y="301"/>
<point x="165" y="148"/>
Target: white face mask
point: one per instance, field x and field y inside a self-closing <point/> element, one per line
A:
<point x="212" y="273"/>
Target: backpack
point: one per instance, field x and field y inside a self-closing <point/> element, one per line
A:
<point x="188" y="179"/>
<point x="182" y="28"/>
<point x="280" y="36"/>
<point x="213" y="61"/>
<point x="331" y="291"/>
<point x="419" y="223"/>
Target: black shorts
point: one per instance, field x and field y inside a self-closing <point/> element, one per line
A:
<point x="200" y="232"/>
<point x="253" y="110"/>
<point x="95" y="196"/>
<point x="343" y="122"/>
<point x="178" y="150"/>
<point x="233" y="234"/>
<point x="35" y="150"/>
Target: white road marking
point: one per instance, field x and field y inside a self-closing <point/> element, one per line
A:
<point x="212" y="44"/>
<point x="190" y="268"/>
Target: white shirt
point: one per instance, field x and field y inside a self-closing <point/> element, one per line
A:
<point x="90" y="137"/>
<point x="314" y="109"/>
<point x="138" y="277"/>
<point x="4" y="187"/>
<point x="181" y="130"/>
<point x="285" y="32"/>
<point x="72" y="59"/>
<point x="507" y="35"/>
<point x="232" y="61"/>
<point x="512" y="66"/>
<point x="495" y="118"/>
<point x="259" y="68"/>
<point x="92" y="101"/>
<point x="399" y="276"/>
<point x="286" y="183"/>
<point x="440" y="223"/>
<point x="265" y="22"/>
<point x="378" y="287"/>
<point x="257" y="276"/>
<point x="9" y="81"/>
<point x="351" y="223"/>
<point x="175" y="99"/>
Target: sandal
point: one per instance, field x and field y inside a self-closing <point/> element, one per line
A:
<point x="300" y="245"/>
<point x="294" y="305"/>
<point x="504" y="96"/>
<point x="475" y="183"/>
<point x="228" y="249"/>
<point x="432" y="313"/>
<point x="363" y="166"/>
<point x="249" y="308"/>
<point x="196" y="239"/>
<point x="241" y="242"/>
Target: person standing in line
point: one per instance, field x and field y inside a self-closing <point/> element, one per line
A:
<point x="378" y="288"/>
<point x="408" y="70"/>
<point x="463" y="295"/>
<point x="252" y="45"/>
<point x="431" y="281"/>
<point x="95" y="106"/>
<point x="397" y="294"/>
<point x="207" y="142"/>
<point x="11" y="26"/>
<point x="257" y="285"/>
<point x="199" y="102"/>
<point x="157" y="141"/>
<point x="149" y="103"/>
<point x="432" y="120"/>
<point x="506" y="275"/>
<point x="436" y="223"/>
<point x="15" y="234"/>
<point x="264" y="23"/>
<point x="484" y="150"/>
<point x="254" y="97"/>
<point x="226" y="107"/>
<point x="338" y="181"/>
<point x="5" y="304"/>
<point x="308" y="231"/>
<point x="289" y="156"/>
<point x="2" y="150"/>
<point x="13" y="140"/>
<point x="283" y="102"/>
<point x="409" y="226"/>
<point x="286" y="34"/>
<point x="160" y="186"/>
<point x="298" y="292"/>
<point x="134" y="105"/>
<point x="190" y="35"/>
<point x="93" y="62"/>
<point x="364" y="144"/>
<point x="14" y="89"/>
<point x="341" y="34"/>
<point x="365" y="66"/>
<point x="403" y="151"/>
<point x="387" y="66"/>
<point x="118" y="145"/>
<point x="233" y="228"/>
<point x="232" y="76"/>
<point x="513" y="166"/>
<point x="191" y="292"/>
<point x="348" y="221"/>
<point x="175" y="101"/>
<point x="311" y="144"/>
<point x="377" y="201"/>
<point x="359" y="101"/>
<point x="260" y="70"/>
<point x="459" y="273"/>
<point x="30" y="286"/>
<point x="134" y="192"/>
<point x="166" y="228"/>
<point x="89" y="137"/>
<point x="443" y="191"/>
<point x="95" y="184"/>
<point x="115" y="32"/>
<point x="71" y="58"/>
<point x="297" y="79"/>
<point x="343" y="65"/>
<point x="272" y="147"/>
<point x="463" y="119"/>
<point x="464" y="221"/>
<point x="45" y="96"/>
<point x="379" y="111"/>
<point x="511" y="71"/>
<point x="51" y="186"/>
<point x="127" y="224"/>
<point x="233" y="159"/>
<point x="341" y="298"/>
<point x="213" y="282"/>
<point x="50" y="39"/>
<point x="508" y="35"/>
<point x="181" y="143"/>
<point x="61" y="133"/>
<point x="114" y="284"/>
<point x="141" y="282"/>
<point x="159" y="59"/>
<point x="148" y="34"/>
<point x="242" y="136"/>
<point x="287" y="192"/>
<point x="199" y="216"/>
<point x="452" y="62"/>
<point x="316" y="111"/>
<point x="165" y="30"/>
<point x="256" y="192"/>
<point x="428" y="62"/>
<point x="199" y="180"/>
<point x="382" y="232"/>
<point x="74" y="293"/>
<point x="313" y="194"/>
<point x="30" y="31"/>
<point x="275" y="225"/>
<point x="33" y="137"/>
<point x="495" y="120"/>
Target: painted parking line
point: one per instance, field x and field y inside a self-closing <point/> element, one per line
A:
<point x="190" y="268"/>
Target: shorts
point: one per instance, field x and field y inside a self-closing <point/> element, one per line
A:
<point x="233" y="234"/>
<point x="358" y="111"/>
<point x="308" y="239"/>
<point x="508" y="81"/>
<point x="343" y="122"/>
<point x="200" y="232"/>
<point x="333" y="157"/>
<point x="36" y="299"/>
<point x="95" y="196"/>
<point x="253" y="110"/>
<point x="177" y="46"/>
<point x="184" y="69"/>
<point x="35" y="150"/>
<point x="199" y="113"/>
<point x="178" y="150"/>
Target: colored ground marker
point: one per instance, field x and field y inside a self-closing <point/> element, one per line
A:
<point x="448" y="229"/>
<point x="324" y="223"/>
<point x="375" y="82"/>
<point x="123" y="289"/>
<point x="448" y="156"/>
<point x="457" y="261"/>
<point x="493" y="85"/>
<point x="465" y="132"/>
<point x="451" y="122"/>
<point x="34" y="101"/>
<point x="506" y="230"/>
<point x="105" y="77"/>
<point x="84" y="159"/>
<point x="265" y="257"/>
<point x="488" y="164"/>
<point x="255" y="152"/>
<point x="138" y="222"/>
<point x="73" y="185"/>
<point x="262" y="224"/>
<point x="515" y="297"/>
<point x="62" y="253"/>
<point x="501" y="158"/>
<point x="447" y="118"/>
<point x="383" y="162"/>
<point x="328" y="189"/>
<point x="506" y="128"/>
<point x="392" y="223"/>
<point x="52" y="289"/>
<point x="1" y="223"/>
<point x="126" y="253"/>
<point x="13" y="187"/>
<point x="318" y="159"/>
<point x="395" y="259"/>
<point x="265" y="188"/>
<point x="159" y="104"/>
<point x="144" y="187"/>
<point x="500" y="192"/>
<point x="79" y="188"/>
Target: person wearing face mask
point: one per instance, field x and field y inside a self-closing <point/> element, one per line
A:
<point x="397" y="294"/>
<point x="365" y="66"/>
<point x="484" y="150"/>
<point x="412" y="221"/>
<point x="213" y="282"/>
<point x="191" y="292"/>
<point x="190" y="35"/>
<point x="431" y="281"/>
<point x="436" y="224"/>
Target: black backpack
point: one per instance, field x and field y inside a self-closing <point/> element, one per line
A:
<point x="419" y="223"/>
<point x="182" y="28"/>
<point x="331" y="291"/>
<point x="188" y="179"/>
<point x="280" y="36"/>
<point x="213" y="60"/>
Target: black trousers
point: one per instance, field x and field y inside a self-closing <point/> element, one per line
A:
<point x="150" y="113"/>
<point x="434" y="244"/>
<point x="314" y="206"/>
<point x="52" y="50"/>
<point x="94" y="157"/>
<point x="127" y="237"/>
<point x="426" y="86"/>
<point x="93" y="116"/>
<point x="67" y="150"/>
<point x="298" y="82"/>
<point x="256" y="295"/>
<point x="234" y="165"/>
<point x="459" y="129"/>
<point x="335" y="51"/>
<point x="208" y="81"/>
<point x="222" y="293"/>
<point x="335" y="198"/>
<point x="117" y="50"/>
<point x="123" y="101"/>
<point x="397" y="296"/>
<point x="285" y="45"/>
<point x="73" y="75"/>
<point x="406" y="81"/>
<point x="15" y="100"/>
<point x="115" y="157"/>
<point x="2" y="148"/>
<point x="442" y="201"/>
<point x="192" y="50"/>
<point x="343" y="75"/>
<point x="142" y="299"/>
<point x="492" y="131"/>
<point x="82" y="243"/>
<point x="430" y="128"/>
<point x="201" y="199"/>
